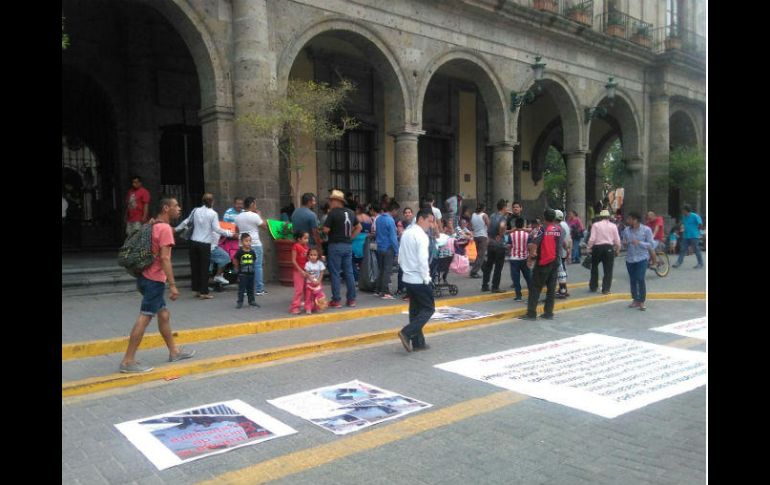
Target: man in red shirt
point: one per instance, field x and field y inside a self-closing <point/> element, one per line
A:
<point x="152" y="284"/>
<point x="655" y="223"/>
<point x="544" y="253"/>
<point x="137" y="206"/>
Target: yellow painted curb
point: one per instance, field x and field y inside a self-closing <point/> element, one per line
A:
<point x="101" y="383"/>
<point x="80" y="350"/>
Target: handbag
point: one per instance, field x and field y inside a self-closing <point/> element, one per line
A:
<point x="187" y="232"/>
<point x="460" y="264"/>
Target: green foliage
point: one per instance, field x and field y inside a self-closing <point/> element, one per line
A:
<point x="65" y="39"/>
<point x="613" y="167"/>
<point x="687" y="171"/>
<point x="555" y="178"/>
<point x="309" y="110"/>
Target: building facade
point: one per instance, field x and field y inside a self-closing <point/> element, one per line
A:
<point x="156" y="88"/>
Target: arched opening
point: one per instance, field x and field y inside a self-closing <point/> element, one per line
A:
<point x="139" y="104"/>
<point x="361" y="163"/>
<point x="687" y="166"/>
<point x="462" y="116"/>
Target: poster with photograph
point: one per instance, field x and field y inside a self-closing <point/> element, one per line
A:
<point x="695" y="328"/>
<point x="452" y="314"/>
<point x="177" y="437"/>
<point x="604" y="375"/>
<point x="348" y="407"/>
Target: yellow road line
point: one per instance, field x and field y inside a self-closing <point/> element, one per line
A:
<point x="111" y="381"/>
<point x="79" y="350"/>
<point x="303" y="460"/>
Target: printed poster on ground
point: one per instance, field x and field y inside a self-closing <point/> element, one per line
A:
<point x="347" y="407"/>
<point x="178" y="437"/>
<point x="596" y="373"/>
<point x="695" y="328"/>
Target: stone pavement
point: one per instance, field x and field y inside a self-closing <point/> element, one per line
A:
<point x="532" y="441"/>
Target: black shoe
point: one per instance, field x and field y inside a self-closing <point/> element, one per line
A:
<point x="424" y="347"/>
<point x="239" y="304"/>
<point x="405" y="342"/>
<point x="497" y="290"/>
<point x="475" y="276"/>
<point x="484" y="288"/>
<point x="605" y="292"/>
<point x="561" y="296"/>
<point x="593" y="290"/>
<point x="547" y="317"/>
<point x="253" y="303"/>
<point x="512" y="286"/>
<point x="528" y="317"/>
<point x="518" y="298"/>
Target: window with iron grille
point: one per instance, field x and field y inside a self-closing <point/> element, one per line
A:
<point x="80" y="173"/>
<point x="435" y="163"/>
<point x="351" y="164"/>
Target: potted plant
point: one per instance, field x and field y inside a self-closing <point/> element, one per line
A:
<point x="580" y="13"/>
<point x="615" y="25"/>
<point x="547" y="5"/>
<point x="642" y="35"/>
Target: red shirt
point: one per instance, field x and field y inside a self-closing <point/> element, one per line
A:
<point x="162" y="235"/>
<point x="135" y="202"/>
<point x="657" y="222"/>
<point x="550" y="245"/>
<point x="301" y="251"/>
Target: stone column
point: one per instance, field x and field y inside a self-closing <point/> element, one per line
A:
<point x="219" y="166"/>
<point x="635" y="197"/>
<point x="576" y="183"/>
<point x="657" y="181"/>
<point x="502" y="172"/>
<point x="257" y="170"/>
<point x="407" y="174"/>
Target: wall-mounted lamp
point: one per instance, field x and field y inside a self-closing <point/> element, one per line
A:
<point x="518" y="100"/>
<point x="601" y="111"/>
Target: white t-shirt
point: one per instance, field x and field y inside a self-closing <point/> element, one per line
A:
<point x="248" y="221"/>
<point x="315" y="269"/>
<point x="436" y="213"/>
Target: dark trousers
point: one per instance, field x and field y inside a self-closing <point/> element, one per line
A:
<point x="246" y="285"/>
<point x="421" y="308"/>
<point x="636" y="273"/>
<point x="481" y="251"/>
<point x="200" y="257"/>
<point x="543" y="276"/>
<point x="385" y="264"/>
<point x="496" y="258"/>
<point x="518" y="268"/>
<point x="401" y="287"/>
<point x="604" y="253"/>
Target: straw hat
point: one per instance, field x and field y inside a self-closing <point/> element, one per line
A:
<point x="604" y="213"/>
<point x="337" y="194"/>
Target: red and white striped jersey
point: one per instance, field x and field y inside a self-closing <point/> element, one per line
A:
<point x="519" y="244"/>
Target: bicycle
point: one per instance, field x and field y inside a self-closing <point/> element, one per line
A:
<point x="662" y="265"/>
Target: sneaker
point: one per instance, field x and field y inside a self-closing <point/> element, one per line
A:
<point x="135" y="368"/>
<point x="387" y="296"/>
<point x="334" y="304"/>
<point x="183" y="354"/>
<point x="260" y="293"/>
<point x="221" y="279"/>
<point x="642" y="307"/>
<point x="697" y="266"/>
<point x="675" y="265"/>
<point x="561" y="296"/>
<point x="547" y="316"/>
<point x="351" y="303"/>
<point x="239" y="304"/>
<point x="518" y="298"/>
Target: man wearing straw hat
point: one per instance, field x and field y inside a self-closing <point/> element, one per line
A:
<point x="603" y="245"/>
<point x="342" y="227"/>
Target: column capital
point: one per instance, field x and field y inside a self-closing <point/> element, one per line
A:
<point x="216" y="113"/>
<point x="634" y="164"/>
<point x="406" y="133"/>
<point x="500" y="146"/>
<point x="576" y="154"/>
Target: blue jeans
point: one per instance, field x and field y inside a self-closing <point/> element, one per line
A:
<point x="636" y="274"/>
<point x="220" y="257"/>
<point x="575" y="250"/>
<point x="259" y="285"/>
<point x="341" y="260"/>
<point x="152" y="295"/>
<point x="519" y="267"/>
<point x="684" y="245"/>
<point x="246" y="285"/>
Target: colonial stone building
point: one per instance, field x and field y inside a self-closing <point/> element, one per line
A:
<point x="156" y="87"/>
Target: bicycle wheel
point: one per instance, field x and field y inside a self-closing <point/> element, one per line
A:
<point x="663" y="266"/>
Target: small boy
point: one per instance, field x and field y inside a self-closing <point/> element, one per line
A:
<point x="244" y="264"/>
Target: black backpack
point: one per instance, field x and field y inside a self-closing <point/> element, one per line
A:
<point x="136" y="253"/>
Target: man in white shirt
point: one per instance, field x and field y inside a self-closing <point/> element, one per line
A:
<point x="413" y="259"/>
<point x="206" y="232"/>
<point x="250" y="220"/>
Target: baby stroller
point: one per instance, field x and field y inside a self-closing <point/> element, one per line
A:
<point x="230" y="245"/>
<point x="439" y="267"/>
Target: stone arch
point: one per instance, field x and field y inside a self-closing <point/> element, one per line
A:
<point x="686" y="113"/>
<point x="625" y="111"/>
<point x="489" y="84"/>
<point x="567" y="103"/>
<point x="215" y="86"/>
<point x="397" y="93"/>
